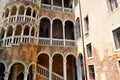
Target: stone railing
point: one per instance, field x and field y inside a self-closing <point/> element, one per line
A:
<point x="35" y="1"/>
<point x="56" y="42"/>
<point x="8" y="41"/>
<point x="45" y="72"/>
<point x="20" y="18"/>
<point x="56" y="8"/>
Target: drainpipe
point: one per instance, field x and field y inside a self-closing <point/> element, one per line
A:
<point x="85" y="66"/>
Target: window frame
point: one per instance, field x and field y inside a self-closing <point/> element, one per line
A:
<point x="115" y="3"/>
<point x="86" y="24"/>
<point x="115" y="39"/>
<point x="93" y="73"/>
<point x="92" y="55"/>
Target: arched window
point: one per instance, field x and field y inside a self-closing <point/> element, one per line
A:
<point x="14" y="10"/>
<point x="28" y="11"/>
<point x="9" y="31"/>
<point x="2" y="33"/>
<point x="57" y="29"/>
<point x="18" y="30"/>
<point x="6" y="12"/>
<point x="21" y="10"/>
<point x="46" y="2"/>
<point x="69" y="30"/>
<point x="68" y="3"/>
<point x="34" y="13"/>
<point x="44" y="28"/>
<point x="57" y="3"/>
<point x="26" y="30"/>
<point x="77" y="28"/>
<point x="33" y="31"/>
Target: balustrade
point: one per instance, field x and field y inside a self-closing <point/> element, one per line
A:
<point x="45" y="72"/>
<point x="20" y="18"/>
<point x="57" y="42"/>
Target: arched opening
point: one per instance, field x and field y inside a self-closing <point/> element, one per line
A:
<point x="46" y="2"/>
<point x="82" y="66"/>
<point x="57" y="3"/>
<point x="14" y="10"/>
<point x="31" y="73"/>
<point x="44" y="28"/>
<point x="69" y="30"/>
<point x="34" y="13"/>
<point x="58" y="64"/>
<point x="77" y="28"/>
<point x="57" y="29"/>
<point x="2" y="33"/>
<point x="33" y="31"/>
<point x="2" y="70"/>
<point x="21" y="10"/>
<point x="26" y="30"/>
<point x="6" y="12"/>
<point x="28" y="11"/>
<point x="20" y="76"/>
<point x="9" y="31"/>
<point x="43" y="65"/>
<point x="18" y="30"/>
<point x="71" y="68"/>
<point x="68" y="3"/>
<point x="16" y="72"/>
<point x="43" y="59"/>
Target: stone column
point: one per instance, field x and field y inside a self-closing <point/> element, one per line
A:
<point x="32" y="14"/>
<point x="64" y="32"/>
<point x="51" y="25"/>
<point x="25" y="13"/>
<point x="17" y="13"/>
<point x="25" y="75"/>
<point x="63" y="5"/>
<point x="50" y="68"/>
<point x="4" y="37"/>
<point x="9" y="14"/>
<point x="13" y="35"/>
<point x="6" y="75"/>
<point x="64" y="69"/>
<point x="22" y="34"/>
<point x="30" y="33"/>
<point x="51" y="4"/>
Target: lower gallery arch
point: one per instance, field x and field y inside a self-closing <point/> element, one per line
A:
<point x="43" y="65"/>
<point x="31" y="73"/>
<point x="2" y="70"/>
<point x="57" y="65"/>
<point x="17" y="72"/>
<point x="82" y="66"/>
<point x="71" y="68"/>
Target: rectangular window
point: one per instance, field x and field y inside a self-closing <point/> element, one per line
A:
<point x="91" y="72"/>
<point x="89" y="50"/>
<point x="116" y="34"/>
<point x="86" y="21"/>
<point x="113" y="4"/>
<point x="119" y="65"/>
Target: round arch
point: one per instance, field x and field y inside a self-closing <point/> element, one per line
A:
<point x="5" y="65"/>
<point x="44" y="52"/>
<point x="19" y="62"/>
<point x="57" y="53"/>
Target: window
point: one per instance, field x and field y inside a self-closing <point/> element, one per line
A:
<point x="78" y="32"/>
<point x="86" y="22"/>
<point x="91" y="72"/>
<point x="113" y="4"/>
<point x="119" y="65"/>
<point x="89" y="50"/>
<point x="116" y="34"/>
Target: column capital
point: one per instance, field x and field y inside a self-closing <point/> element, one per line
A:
<point x="6" y="73"/>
